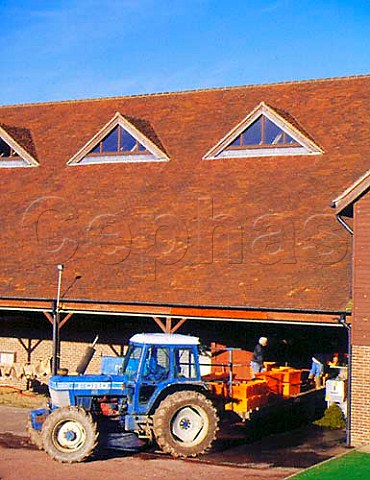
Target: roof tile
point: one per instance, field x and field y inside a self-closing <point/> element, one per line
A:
<point x="249" y="231"/>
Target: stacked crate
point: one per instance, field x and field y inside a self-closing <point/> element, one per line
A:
<point x="242" y="397"/>
<point x="282" y="381"/>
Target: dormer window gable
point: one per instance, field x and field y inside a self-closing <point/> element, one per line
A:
<point x="15" y="148"/>
<point x="264" y="132"/>
<point x="121" y="140"/>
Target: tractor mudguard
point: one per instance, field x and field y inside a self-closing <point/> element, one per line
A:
<point x="38" y="417"/>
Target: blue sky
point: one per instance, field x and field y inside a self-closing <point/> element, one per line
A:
<point x="71" y="49"/>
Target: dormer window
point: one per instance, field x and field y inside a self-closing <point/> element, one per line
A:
<point x="6" y="151"/>
<point x="264" y="132"/>
<point x="121" y="141"/>
<point x="16" y="147"/>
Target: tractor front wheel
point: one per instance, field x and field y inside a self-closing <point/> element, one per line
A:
<point x="185" y="424"/>
<point x="69" y="435"/>
<point x="35" y="435"/>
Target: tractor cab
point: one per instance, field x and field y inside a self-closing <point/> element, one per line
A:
<point x="155" y="363"/>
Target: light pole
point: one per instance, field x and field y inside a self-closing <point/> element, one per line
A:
<point x="56" y="318"/>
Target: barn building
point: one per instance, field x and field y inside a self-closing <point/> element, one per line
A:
<point x="203" y="211"/>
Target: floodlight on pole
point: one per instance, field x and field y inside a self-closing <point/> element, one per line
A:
<point x="60" y="273"/>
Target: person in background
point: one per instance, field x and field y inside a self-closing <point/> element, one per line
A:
<point x="332" y="364"/>
<point x="258" y="356"/>
<point x="317" y="369"/>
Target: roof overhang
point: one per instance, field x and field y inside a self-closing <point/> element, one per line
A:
<point x="211" y="313"/>
<point x="352" y="193"/>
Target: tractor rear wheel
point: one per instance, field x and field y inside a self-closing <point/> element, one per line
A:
<point x="185" y="424"/>
<point x="69" y="435"/>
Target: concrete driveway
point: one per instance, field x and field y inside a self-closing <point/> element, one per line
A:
<point x="274" y="458"/>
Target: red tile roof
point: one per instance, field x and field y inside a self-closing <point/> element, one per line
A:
<point x="238" y="232"/>
<point x="146" y="129"/>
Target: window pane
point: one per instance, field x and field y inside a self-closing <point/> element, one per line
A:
<point x="263" y="132"/>
<point x="156" y="365"/>
<point x="185" y="363"/>
<point x="96" y="149"/>
<point x="236" y="142"/>
<point x="131" y="363"/>
<point x="110" y="143"/>
<point x="252" y="136"/>
<point x="128" y="142"/>
<point x="289" y="139"/>
<point x="4" y="149"/>
<point x="273" y="133"/>
<point x="141" y="148"/>
<point x="7" y="358"/>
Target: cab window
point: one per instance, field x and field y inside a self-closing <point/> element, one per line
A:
<point x="131" y="363"/>
<point x="156" y="364"/>
<point x="185" y="366"/>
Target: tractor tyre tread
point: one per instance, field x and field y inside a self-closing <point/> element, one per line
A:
<point x="166" y="412"/>
<point x="74" y="414"/>
<point x="34" y="435"/>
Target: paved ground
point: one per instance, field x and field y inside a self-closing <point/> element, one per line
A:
<point x="274" y="458"/>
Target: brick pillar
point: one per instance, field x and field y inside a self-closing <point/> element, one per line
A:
<point x="360" y="395"/>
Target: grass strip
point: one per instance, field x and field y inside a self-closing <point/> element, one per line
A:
<point x="352" y="466"/>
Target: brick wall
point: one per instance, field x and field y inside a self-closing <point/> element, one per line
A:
<point x="360" y="395"/>
<point x="360" y="411"/>
<point x="361" y="272"/>
<point x="71" y="353"/>
<point x="42" y="351"/>
<point x="9" y="344"/>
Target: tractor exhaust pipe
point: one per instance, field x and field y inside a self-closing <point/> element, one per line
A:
<point x="87" y="357"/>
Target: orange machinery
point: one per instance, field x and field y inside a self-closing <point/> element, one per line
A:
<point x="232" y="380"/>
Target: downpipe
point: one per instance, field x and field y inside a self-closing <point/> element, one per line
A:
<point x="347" y="326"/>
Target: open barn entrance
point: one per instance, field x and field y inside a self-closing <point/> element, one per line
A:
<point x="292" y="344"/>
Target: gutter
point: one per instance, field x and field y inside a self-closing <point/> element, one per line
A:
<point x="344" y="224"/>
<point x="343" y="321"/>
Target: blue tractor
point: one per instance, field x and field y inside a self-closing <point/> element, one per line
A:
<point x="155" y="391"/>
